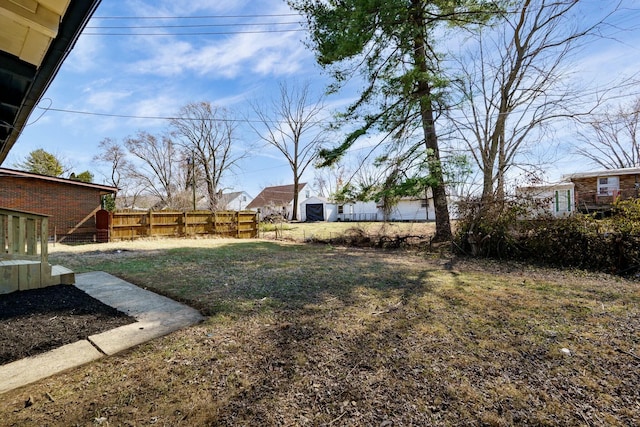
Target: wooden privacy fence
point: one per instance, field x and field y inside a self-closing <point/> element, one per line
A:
<point x="133" y="225"/>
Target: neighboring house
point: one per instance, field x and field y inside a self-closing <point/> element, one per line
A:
<point x="596" y="191"/>
<point x="411" y="209"/>
<point x="555" y="199"/>
<point x="70" y="205"/>
<point x="320" y="209"/>
<point x="236" y="201"/>
<point x="407" y="209"/>
<point x="359" y="211"/>
<point x="278" y="200"/>
<point x="317" y="209"/>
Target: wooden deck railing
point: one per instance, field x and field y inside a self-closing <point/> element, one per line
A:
<point x="23" y="235"/>
<point x="24" y="256"/>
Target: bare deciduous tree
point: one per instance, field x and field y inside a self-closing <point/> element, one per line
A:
<point x="208" y="133"/>
<point x="328" y="180"/>
<point x="114" y="155"/>
<point x="612" y="140"/>
<point x="292" y="125"/>
<point x="516" y="84"/>
<point x="158" y="164"/>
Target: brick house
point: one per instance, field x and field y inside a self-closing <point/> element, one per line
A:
<point x="71" y="205"/>
<point x="596" y="191"/>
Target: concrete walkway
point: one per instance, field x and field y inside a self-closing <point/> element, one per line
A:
<point x="156" y="316"/>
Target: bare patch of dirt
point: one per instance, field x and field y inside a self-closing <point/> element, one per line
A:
<point x="39" y="320"/>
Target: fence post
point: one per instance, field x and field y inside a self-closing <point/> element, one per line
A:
<point x="150" y="232"/>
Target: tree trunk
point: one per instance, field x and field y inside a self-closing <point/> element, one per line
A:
<point x="294" y="210"/>
<point x="443" y="223"/>
<point x="487" y="186"/>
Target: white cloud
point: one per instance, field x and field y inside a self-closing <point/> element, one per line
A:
<point x="193" y="7"/>
<point x="83" y="57"/>
<point x="223" y="56"/>
<point x="168" y="59"/>
<point x="106" y="100"/>
<point x="162" y="105"/>
<point x="266" y="54"/>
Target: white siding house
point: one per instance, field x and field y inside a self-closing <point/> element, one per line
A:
<point x="320" y="209"/>
<point x="408" y="209"/>
<point x="236" y="201"/>
<point x="358" y="211"/>
<point x="557" y="199"/>
<point x="412" y="209"/>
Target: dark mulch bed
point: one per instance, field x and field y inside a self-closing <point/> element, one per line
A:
<point x="39" y="320"/>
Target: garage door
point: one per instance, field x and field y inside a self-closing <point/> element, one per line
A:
<point x="315" y="212"/>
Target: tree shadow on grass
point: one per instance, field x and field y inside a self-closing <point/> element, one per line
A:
<point x="245" y="276"/>
<point x="262" y="275"/>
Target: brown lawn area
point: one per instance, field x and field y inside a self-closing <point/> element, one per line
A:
<point x="302" y="334"/>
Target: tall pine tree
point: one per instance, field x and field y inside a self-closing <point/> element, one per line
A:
<point x="391" y="45"/>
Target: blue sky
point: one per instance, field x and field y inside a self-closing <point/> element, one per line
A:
<point x="153" y="76"/>
<point x="259" y="46"/>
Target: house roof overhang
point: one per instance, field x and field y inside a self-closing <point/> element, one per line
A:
<point x="104" y="189"/>
<point x="602" y="173"/>
<point x="35" y="38"/>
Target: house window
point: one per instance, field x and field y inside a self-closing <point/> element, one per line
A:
<point x="424" y="203"/>
<point x="307" y="194"/>
<point x="568" y="200"/>
<point x="340" y="209"/>
<point x="608" y="186"/>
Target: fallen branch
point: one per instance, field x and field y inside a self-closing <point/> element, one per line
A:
<point x="628" y="353"/>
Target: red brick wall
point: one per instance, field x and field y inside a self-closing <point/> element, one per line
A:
<point x="67" y="205"/>
<point x="587" y="194"/>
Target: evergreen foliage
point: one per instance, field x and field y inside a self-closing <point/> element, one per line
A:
<point x="391" y="44"/>
<point x="42" y="162"/>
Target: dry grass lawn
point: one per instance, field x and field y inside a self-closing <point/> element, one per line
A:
<point x="329" y="230"/>
<point x="323" y="335"/>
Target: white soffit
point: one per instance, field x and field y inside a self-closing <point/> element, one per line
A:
<point x="27" y="27"/>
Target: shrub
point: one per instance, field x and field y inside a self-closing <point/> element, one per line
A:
<point x="579" y="241"/>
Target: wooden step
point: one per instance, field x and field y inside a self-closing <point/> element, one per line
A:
<point x="19" y="275"/>
<point x="62" y="275"/>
